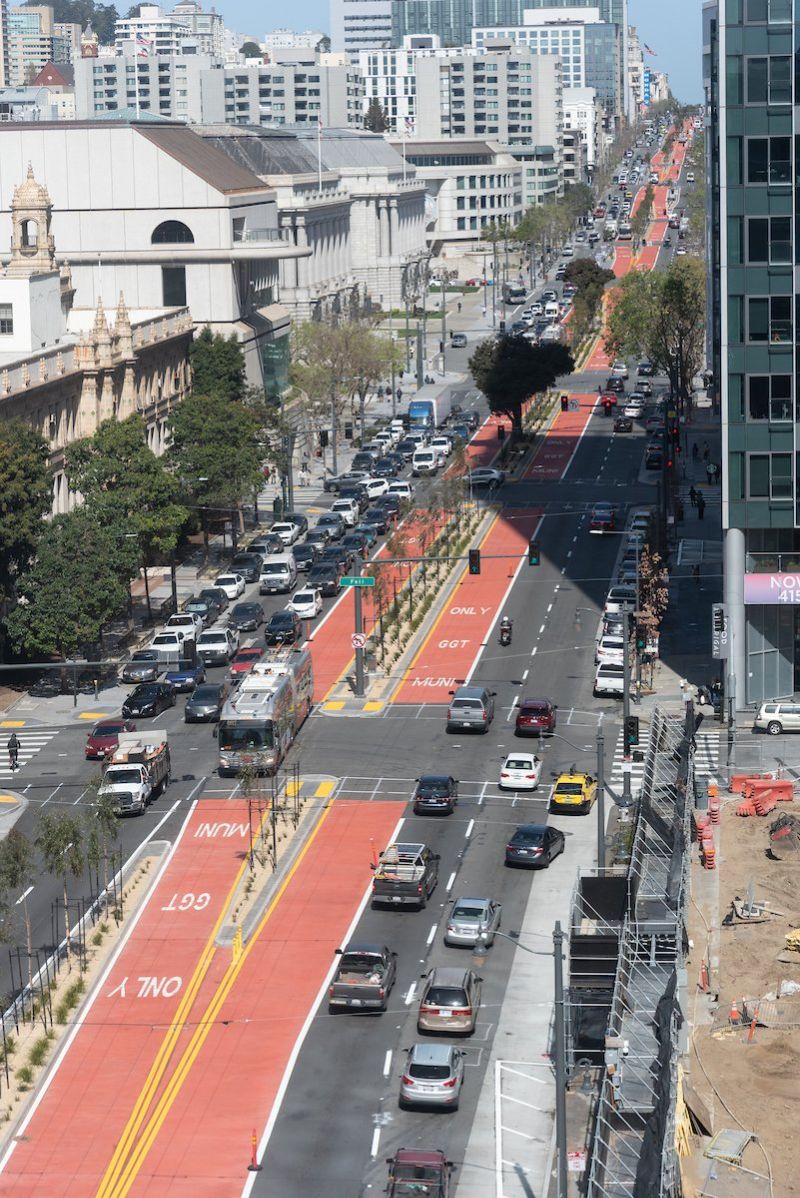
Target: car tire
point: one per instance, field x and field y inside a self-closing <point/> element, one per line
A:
<point x="774" y="728"/>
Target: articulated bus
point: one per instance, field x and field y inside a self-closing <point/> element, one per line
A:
<point x="260" y="720"/>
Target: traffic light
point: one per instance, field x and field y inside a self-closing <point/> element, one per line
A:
<point x="323" y="438"/>
<point x="630" y="733"/>
<point x="719" y="619"/>
<point x="474" y="561"/>
<point x="533" y="553"/>
<point x="641" y="639"/>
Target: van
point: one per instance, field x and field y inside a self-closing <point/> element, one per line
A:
<point x="278" y="574"/>
<point x="471" y="709"/>
<point x="778" y="716"/>
<point x="425" y="461"/>
<point x="551" y="310"/>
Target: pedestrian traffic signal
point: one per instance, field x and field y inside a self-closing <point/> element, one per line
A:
<point x="474" y="561"/>
<point x="533" y="553"/>
<point x="630" y="732"/>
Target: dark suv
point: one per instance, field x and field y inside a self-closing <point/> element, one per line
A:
<point x="436" y="794"/>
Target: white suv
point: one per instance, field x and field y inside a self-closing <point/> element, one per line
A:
<point x="777" y="717"/>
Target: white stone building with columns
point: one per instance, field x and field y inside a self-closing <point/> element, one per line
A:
<point x="64" y="370"/>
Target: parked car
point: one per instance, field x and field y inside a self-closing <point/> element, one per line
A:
<point x="204" y="608"/>
<point x="485" y="476"/>
<point x="104" y="737"/>
<point x="232" y="584"/>
<point x="148" y="699"/>
<point x="534" y="845"/>
<point x="472" y="921"/>
<point x="283" y="628"/>
<point x="246" y="617"/>
<point x="450" y="1001"/>
<point x="435" y="794"/>
<point x="603" y="518"/>
<point x="205" y="703"/>
<point x="432" y="1077"/>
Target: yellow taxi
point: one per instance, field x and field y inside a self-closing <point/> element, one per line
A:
<point x="573" y="793"/>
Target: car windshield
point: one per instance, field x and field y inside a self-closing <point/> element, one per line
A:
<point x="570" y="788"/>
<point x="124" y="775"/>
<point x="241" y="737"/>
<point x="205" y="694"/>
<point x="281" y="619"/>
<point x="463" y="912"/>
<point x="527" y="836"/>
<point x="534" y="708"/>
<point x="520" y="763"/>
<point x="274" y="568"/>
<point x="226" y="580"/>
<point x="304" y="597"/>
<point x="430" y="1072"/>
<point x="108" y="730"/>
<point x="145" y="692"/>
<point x="247" y="655"/>
<point x="145" y="655"/>
<point x="447" y="996"/>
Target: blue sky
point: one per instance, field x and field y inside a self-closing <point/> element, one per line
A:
<point x="672" y="29"/>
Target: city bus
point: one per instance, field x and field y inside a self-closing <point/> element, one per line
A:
<point x="260" y="720"/>
<point x="514" y="293"/>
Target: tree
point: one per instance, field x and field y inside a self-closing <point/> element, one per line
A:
<point x="17" y="873"/>
<point x="60" y="841"/>
<point x="123" y="482"/>
<point x="509" y="370"/>
<point x="26" y="497"/>
<point x="251" y="49"/>
<point x="102" y="827"/>
<point x="375" y="117"/>
<point x="642" y="216"/>
<point x="578" y="200"/>
<point x="662" y="314"/>
<point x="217" y="365"/>
<point x="215" y="451"/>
<point x="80" y="578"/>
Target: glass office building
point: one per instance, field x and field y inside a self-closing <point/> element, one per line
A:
<point x="752" y="132"/>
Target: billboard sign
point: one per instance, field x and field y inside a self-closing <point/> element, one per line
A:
<point x="772" y="589"/>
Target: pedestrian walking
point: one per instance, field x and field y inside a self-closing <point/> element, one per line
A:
<point x="715" y="470"/>
<point x="696" y="574"/>
<point x="458" y="307"/>
<point x="705" y="451"/>
<point x="695" y="451"/>
<point x="701" y="505"/>
<point x="692" y="497"/>
<point x="710" y="472"/>
<point x="13" y="750"/>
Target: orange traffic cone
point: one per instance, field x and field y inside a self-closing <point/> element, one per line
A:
<point x="734" y="1017"/>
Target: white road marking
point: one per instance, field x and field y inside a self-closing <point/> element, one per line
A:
<point x="470" y="826"/>
<point x="387" y="1063"/>
<point x="524" y="675"/>
<point x="376" y="1140"/>
<point x="541" y="630"/>
<point x="512" y="708"/>
<point x="533" y="651"/>
<point x="549" y="608"/>
<point x="450" y="882"/>
<point x="431" y="934"/>
<point x="409" y="998"/>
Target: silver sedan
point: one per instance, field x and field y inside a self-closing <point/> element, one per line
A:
<point x="472" y="920"/>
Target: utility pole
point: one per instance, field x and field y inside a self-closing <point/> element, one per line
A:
<point x="359" y="630"/>
<point x="626" y="700"/>
<point x="561" y="1062"/>
<point x="601" y="803"/>
<point x="420" y="356"/>
<point x="444" y="323"/>
<point x="334" y="429"/>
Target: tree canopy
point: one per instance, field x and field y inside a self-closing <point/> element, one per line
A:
<point x="250" y="49"/>
<point x="216" y="449"/>
<point x="217" y="365"/>
<point x="375" y="117"/>
<point x="662" y="314"/>
<point x="26" y="496"/>
<point x="509" y="370"/>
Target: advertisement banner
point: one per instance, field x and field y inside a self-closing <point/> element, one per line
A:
<point x="772" y="588"/>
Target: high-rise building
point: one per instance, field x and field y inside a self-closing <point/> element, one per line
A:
<point x="153" y="31"/>
<point x="32" y="42"/>
<point x="361" y="24"/>
<point x="752" y="128"/>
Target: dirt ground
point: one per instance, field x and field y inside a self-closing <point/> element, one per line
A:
<point x="759" y="1081"/>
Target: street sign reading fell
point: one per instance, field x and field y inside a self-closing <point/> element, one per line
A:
<point x="356" y="580"/>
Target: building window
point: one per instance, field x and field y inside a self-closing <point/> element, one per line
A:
<point x="769" y="160"/>
<point x="769" y="80"/>
<point x="769" y="397"/>
<point x="6" y="320"/>
<point x="173" y="286"/>
<point x="172" y="232"/>
<point x="769" y="476"/>
<point x="769" y="318"/>
<point x="769" y="239"/>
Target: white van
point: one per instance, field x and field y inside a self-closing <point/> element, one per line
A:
<point x="425" y="461"/>
<point x="278" y="574"/>
<point x="551" y="310"/>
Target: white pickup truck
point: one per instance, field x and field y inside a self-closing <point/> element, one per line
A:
<point x="138" y="770"/>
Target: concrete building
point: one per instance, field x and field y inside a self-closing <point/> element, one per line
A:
<point x="197" y="88"/>
<point x="30" y="104"/>
<point x="751" y="251"/>
<point x="361" y="25"/>
<point x="349" y="198"/>
<point x="636" y="72"/>
<point x="471" y="184"/>
<point x="152" y="32"/>
<point x="59" y="79"/>
<point x="32" y="43"/>
<point x="169" y="221"/>
<point x="70" y="34"/>
<point x="206" y="29"/>
<point x="584" y="115"/>
<point x="63" y="370"/>
<point x="287" y="39"/>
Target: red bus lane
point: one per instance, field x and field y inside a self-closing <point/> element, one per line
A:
<point x="450" y="649"/>
<point x="124" y="1046"/>
<point x="198" y="1145"/>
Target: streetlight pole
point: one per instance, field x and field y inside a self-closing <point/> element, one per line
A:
<point x="444" y="324"/>
<point x="601" y="802"/>
<point x="626" y="701"/>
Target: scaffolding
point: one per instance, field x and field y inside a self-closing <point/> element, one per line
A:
<point x="633" y="1138"/>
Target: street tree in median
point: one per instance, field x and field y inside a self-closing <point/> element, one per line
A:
<point x="217" y="365"/>
<point x="26" y="497"/>
<point x="124" y="484"/>
<point x="17" y="874"/>
<point x="78" y="581"/>
<point x="215" y="452"/>
<point x="60" y="842"/>
<point x="662" y="314"/>
<point x="509" y="370"/>
<point x="102" y="827"/>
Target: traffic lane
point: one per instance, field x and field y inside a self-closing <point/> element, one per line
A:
<point x="343" y="1091"/>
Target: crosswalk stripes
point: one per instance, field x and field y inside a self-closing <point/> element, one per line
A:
<point x="706" y="759"/>
<point x="31" y="742"/>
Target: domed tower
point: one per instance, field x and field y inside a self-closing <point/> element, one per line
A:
<point x="32" y="245"/>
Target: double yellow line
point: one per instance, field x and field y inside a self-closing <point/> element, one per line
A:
<point x="131" y="1151"/>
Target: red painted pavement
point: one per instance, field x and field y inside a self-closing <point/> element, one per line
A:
<point x="72" y="1135"/>
<point x="450" y="649"/>
<point x="559" y="445"/>
<point x="203" y="1147"/>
